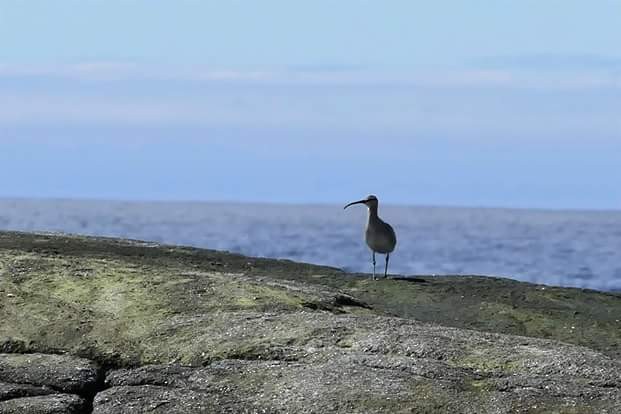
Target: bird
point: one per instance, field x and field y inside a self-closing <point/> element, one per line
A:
<point x="379" y="235"/>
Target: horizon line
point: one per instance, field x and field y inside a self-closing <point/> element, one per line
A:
<point x="306" y="204"/>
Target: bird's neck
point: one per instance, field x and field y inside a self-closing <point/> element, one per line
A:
<point x="373" y="212"/>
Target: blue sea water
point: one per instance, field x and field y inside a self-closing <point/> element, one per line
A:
<point x="564" y="248"/>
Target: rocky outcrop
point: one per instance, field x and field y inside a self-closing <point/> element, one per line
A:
<point x="10" y="390"/>
<point x="58" y="372"/>
<point x="46" y="404"/>
<point x="181" y="330"/>
<point x="40" y="383"/>
<point x="388" y="365"/>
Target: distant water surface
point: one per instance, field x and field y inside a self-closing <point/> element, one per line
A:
<point x="565" y="248"/>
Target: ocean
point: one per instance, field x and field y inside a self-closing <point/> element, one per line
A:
<point x="561" y="248"/>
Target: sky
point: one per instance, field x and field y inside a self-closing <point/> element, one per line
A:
<point x="478" y="103"/>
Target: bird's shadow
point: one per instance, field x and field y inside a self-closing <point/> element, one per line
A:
<point x="410" y="279"/>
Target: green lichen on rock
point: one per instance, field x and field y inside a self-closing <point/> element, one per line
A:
<point x="151" y="306"/>
<point x="578" y="316"/>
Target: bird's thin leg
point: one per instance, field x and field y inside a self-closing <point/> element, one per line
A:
<point x="386" y="268"/>
<point x="374" y="265"/>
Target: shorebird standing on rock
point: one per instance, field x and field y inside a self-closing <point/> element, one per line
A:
<point x="379" y="235"/>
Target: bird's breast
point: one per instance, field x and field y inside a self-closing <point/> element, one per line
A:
<point x="380" y="238"/>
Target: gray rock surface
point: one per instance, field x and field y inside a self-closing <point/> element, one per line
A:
<point x="47" y="384"/>
<point x="179" y="330"/>
<point x="10" y="390"/>
<point x="391" y="365"/>
<point x="45" y="404"/>
<point x="64" y="373"/>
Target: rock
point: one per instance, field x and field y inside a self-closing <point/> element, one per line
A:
<point x="382" y="379"/>
<point x="189" y="330"/>
<point x="63" y="373"/>
<point x="45" y="404"/>
<point x="173" y="375"/>
<point x="156" y="399"/>
<point x="40" y="383"/>
<point x="9" y="391"/>
<point x="102" y="298"/>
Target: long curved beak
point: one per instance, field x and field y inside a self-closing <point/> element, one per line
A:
<point x="355" y="202"/>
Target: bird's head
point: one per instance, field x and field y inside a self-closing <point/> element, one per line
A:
<point x="370" y="201"/>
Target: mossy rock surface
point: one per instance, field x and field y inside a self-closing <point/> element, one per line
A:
<point x="245" y="334"/>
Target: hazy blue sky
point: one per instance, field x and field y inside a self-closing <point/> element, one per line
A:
<point x="499" y="103"/>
